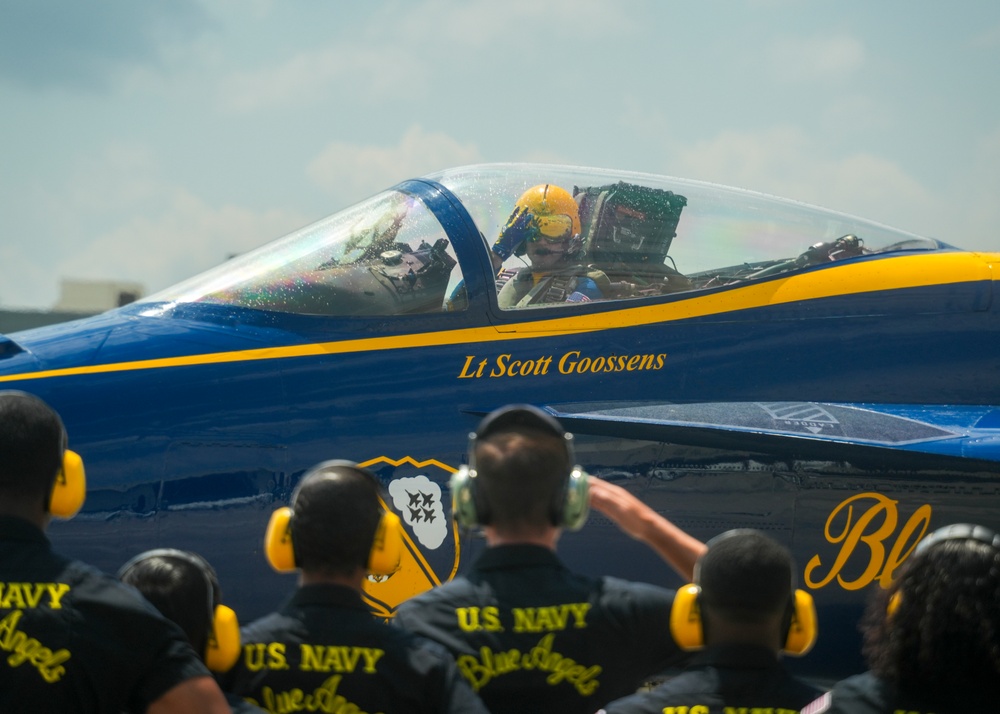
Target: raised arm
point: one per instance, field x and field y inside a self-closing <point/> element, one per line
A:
<point x="638" y="520"/>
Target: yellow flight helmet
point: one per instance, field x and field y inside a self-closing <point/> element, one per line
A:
<point x="555" y="213"/>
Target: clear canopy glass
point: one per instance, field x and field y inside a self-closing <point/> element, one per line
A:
<point x="390" y="254"/>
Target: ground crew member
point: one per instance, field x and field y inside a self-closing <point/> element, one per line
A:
<point x="526" y="632"/>
<point x="324" y="650"/>
<point x="932" y="640"/>
<point x="183" y="586"/>
<point x="73" y="638"/>
<point x="743" y="611"/>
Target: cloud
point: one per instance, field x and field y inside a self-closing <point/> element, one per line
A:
<point x="183" y="237"/>
<point x="116" y="217"/>
<point x="350" y="172"/>
<point x="514" y="22"/>
<point x="25" y="281"/>
<point x="988" y="38"/>
<point x="786" y="161"/>
<point x="817" y="59"/>
<point x="979" y="186"/>
<point x="307" y="78"/>
<point x="52" y="43"/>
<point x="397" y="49"/>
<point x="742" y="158"/>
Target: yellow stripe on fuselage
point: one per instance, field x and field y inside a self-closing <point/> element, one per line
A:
<point x="893" y="273"/>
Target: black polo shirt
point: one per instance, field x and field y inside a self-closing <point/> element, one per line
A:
<point x="73" y="639"/>
<point x="324" y="650"/>
<point x="723" y="680"/>
<point x="868" y="694"/>
<point x="532" y="636"/>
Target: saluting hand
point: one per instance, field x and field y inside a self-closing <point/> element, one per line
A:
<point x="641" y="522"/>
<point x="517" y="230"/>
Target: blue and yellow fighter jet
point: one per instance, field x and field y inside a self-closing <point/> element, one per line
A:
<point x="738" y="361"/>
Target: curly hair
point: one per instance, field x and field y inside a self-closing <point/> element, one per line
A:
<point x="941" y="641"/>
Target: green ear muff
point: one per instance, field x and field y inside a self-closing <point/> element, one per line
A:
<point x="469" y="510"/>
<point x="70" y="489"/>
<point x="464" y="508"/>
<point x="576" y="504"/>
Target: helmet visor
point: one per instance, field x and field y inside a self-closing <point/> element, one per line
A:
<point x="553" y="228"/>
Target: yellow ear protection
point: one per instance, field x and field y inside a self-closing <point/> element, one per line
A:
<point x="570" y="505"/>
<point x="685" y="618"/>
<point x="70" y="488"/>
<point x="802" y="625"/>
<point x="387" y="546"/>
<point x="955" y="531"/>
<point x="222" y="645"/>
<point x="688" y="632"/>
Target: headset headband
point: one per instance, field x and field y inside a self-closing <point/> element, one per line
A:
<point x="960" y="531"/>
<point x="193" y="558"/>
<point x="385" y="551"/>
<point x="570" y="504"/>
<point x="222" y="643"/>
<point x="516" y="417"/>
<point x="800" y="628"/>
<point x="736" y="533"/>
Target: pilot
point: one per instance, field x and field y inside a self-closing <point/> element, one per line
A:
<point x="183" y="586"/>
<point x="527" y="633"/>
<point x="742" y="610"/>
<point x="323" y="649"/>
<point x="75" y="639"/>
<point x="545" y="225"/>
<point x="932" y="640"/>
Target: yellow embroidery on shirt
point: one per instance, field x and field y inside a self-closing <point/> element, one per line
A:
<point x="261" y="655"/>
<point x="550" y="618"/>
<point x="489" y="664"/>
<point x="27" y="649"/>
<point x="471" y="619"/>
<point x="327" y="658"/>
<point x="29" y="595"/>
<point x="322" y="699"/>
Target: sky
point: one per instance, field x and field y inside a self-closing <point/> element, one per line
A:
<point x="149" y="141"/>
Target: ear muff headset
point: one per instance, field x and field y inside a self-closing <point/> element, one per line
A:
<point x="688" y="631"/>
<point x="222" y="644"/>
<point x="802" y="626"/>
<point x="70" y="488"/>
<point x="955" y="531"/>
<point x="571" y="504"/>
<point x="387" y="546"/>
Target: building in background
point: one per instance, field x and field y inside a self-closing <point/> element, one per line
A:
<point x="94" y="296"/>
<point x="77" y="298"/>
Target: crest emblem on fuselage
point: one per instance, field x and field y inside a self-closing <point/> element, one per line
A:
<point x="417" y="492"/>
